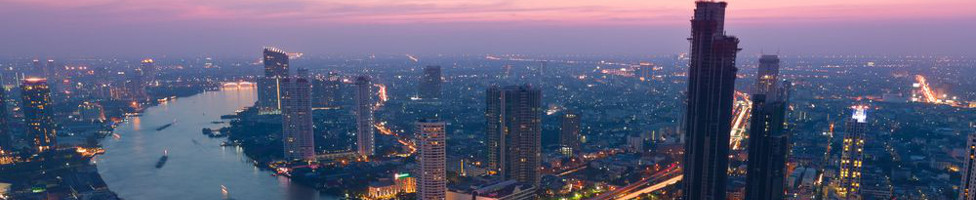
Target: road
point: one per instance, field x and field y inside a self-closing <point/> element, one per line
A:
<point x="655" y="182"/>
<point x="740" y="119"/>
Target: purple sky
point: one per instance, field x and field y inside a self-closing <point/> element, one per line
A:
<point x="605" y="27"/>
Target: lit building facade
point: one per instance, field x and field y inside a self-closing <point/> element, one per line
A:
<point x="296" y="115"/>
<point x="364" y="117"/>
<point x="432" y="139"/>
<point x="515" y="112"/>
<point x="968" y="185"/>
<point x="852" y="155"/>
<point x="39" y="114"/>
<point x="270" y="86"/>
<point x="711" y="85"/>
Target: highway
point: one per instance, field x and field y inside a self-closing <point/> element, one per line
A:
<point x="657" y="181"/>
<point x="740" y="119"/>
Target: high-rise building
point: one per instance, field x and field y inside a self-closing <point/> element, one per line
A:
<point x="569" y="133"/>
<point x="432" y="138"/>
<point x="327" y="91"/>
<point x="768" y="139"/>
<point x="296" y="117"/>
<point x="38" y="114"/>
<point x="852" y="155"/>
<point x="515" y="112"/>
<point x="644" y="71"/>
<point x="711" y="85"/>
<point x="968" y="185"/>
<point x="269" y="86"/>
<point x="430" y="83"/>
<point x="6" y="139"/>
<point x="364" y="117"/>
<point x="767" y="78"/>
<point x="493" y="129"/>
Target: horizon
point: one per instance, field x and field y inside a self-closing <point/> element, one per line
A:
<point x="153" y="28"/>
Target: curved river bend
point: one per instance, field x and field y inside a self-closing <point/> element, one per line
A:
<point x="197" y="167"/>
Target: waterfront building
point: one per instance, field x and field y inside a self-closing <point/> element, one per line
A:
<point x="432" y="140"/>
<point x="296" y="116"/>
<point x="711" y="85"/>
<point x="39" y="114"/>
<point x="270" y="86"/>
<point x="364" y="117"/>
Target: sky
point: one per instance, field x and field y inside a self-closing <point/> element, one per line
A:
<point x="150" y="28"/>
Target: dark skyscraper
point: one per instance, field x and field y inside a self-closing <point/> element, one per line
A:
<point x="6" y="139"/>
<point x="493" y="128"/>
<point x="768" y="139"/>
<point x="364" y="117"/>
<point x="38" y="114"/>
<point x="269" y="86"/>
<point x="296" y="116"/>
<point x="326" y="91"/>
<point x="515" y="112"/>
<point x="711" y="85"/>
<point x="430" y="83"/>
<point x="569" y="133"/>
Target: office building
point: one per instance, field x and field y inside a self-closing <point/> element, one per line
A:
<point x="569" y="133"/>
<point x="514" y="134"/>
<point x="768" y="139"/>
<point x="852" y="155"/>
<point x="270" y="86"/>
<point x="432" y="140"/>
<point x="39" y="114"/>
<point x="430" y="83"/>
<point x="364" y="117"/>
<point x="296" y="119"/>
<point x="711" y="85"/>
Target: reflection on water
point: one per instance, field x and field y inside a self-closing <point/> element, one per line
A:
<point x="197" y="167"/>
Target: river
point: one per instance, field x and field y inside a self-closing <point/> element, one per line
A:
<point x="197" y="167"/>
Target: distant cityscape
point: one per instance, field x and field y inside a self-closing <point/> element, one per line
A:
<point x="712" y="123"/>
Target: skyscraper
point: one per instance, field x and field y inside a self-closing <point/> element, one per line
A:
<point x="38" y="114"/>
<point x="569" y="133"/>
<point x="269" y="87"/>
<point x="711" y="85"/>
<point x="430" y="83"/>
<point x="6" y="139"/>
<point x="432" y="183"/>
<point x="326" y="91"/>
<point x="517" y="131"/>
<point x="968" y="185"/>
<point x="852" y="154"/>
<point x="493" y="129"/>
<point x="768" y="139"/>
<point x="364" y="117"/>
<point x="296" y="117"/>
<point x="766" y="79"/>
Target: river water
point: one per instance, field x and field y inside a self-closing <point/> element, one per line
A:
<point x="197" y="167"/>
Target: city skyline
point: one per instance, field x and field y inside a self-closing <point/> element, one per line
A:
<point x="226" y="28"/>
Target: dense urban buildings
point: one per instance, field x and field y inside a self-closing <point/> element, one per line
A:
<point x="515" y="112"/>
<point x="432" y="182"/>
<point x="768" y="139"/>
<point x="269" y="86"/>
<point x="326" y="91"/>
<point x="38" y="114"/>
<point x="852" y="155"/>
<point x="296" y="116"/>
<point x="430" y="83"/>
<point x="569" y="133"/>
<point x="711" y="85"/>
<point x="365" y="142"/>
<point x="6" y="139"/>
